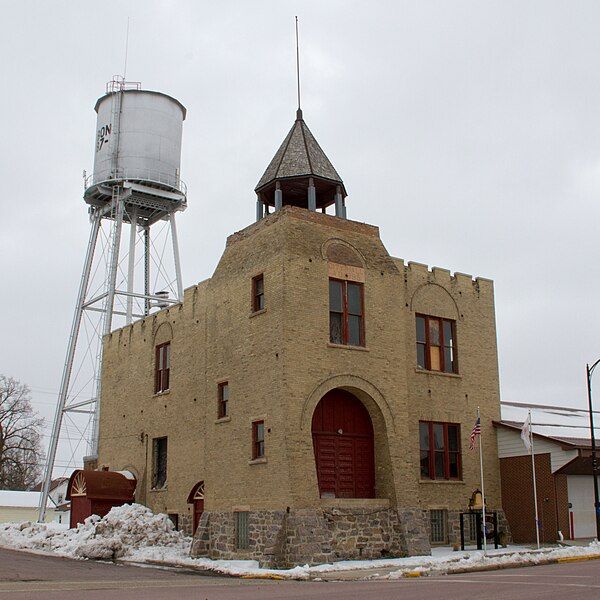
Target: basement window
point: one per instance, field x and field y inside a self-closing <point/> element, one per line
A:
<point x="174" y="518"/>
<point x="241" y="531"/>
<point x="439" y="526"/>
<point x="159" y="463"/>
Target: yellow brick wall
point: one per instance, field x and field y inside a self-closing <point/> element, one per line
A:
<point x="279" y="363"/>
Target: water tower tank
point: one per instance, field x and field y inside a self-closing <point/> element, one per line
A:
<point x="138" y="138"/>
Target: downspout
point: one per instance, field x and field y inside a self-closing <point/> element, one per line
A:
<point x="146" y="473"/>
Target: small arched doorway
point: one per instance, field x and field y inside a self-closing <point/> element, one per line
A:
<point x="196" y="497"/>
<point x="342" y="434"/>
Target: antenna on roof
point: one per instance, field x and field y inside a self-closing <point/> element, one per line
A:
<point x="299" y="111"/>
<point x="126" y="51"/>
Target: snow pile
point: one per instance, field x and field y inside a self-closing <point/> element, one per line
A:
<point x="121" y="533"/>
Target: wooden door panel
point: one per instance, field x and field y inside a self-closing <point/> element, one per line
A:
<point x="198" y="510"/>
<point x="344" y="447"/>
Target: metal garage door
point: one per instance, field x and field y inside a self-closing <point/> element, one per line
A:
<point x="581" y="497"/>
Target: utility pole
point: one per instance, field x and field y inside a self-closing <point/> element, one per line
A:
<point x="589" y="371"/>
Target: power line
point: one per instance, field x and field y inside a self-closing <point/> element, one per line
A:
<point x="548" y="407"/>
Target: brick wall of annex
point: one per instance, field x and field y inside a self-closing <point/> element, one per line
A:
<point x="279" y="363"/>
<point x="518" y="502"/>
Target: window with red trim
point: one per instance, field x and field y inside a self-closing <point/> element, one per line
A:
<point x="440" y="450"/>
<point x="258" y="439"/>
<point x="162" y="367"/>
<point x="436" y="344"/>
<point x="258" y="293"/>
<point x="346" y="323"/>
<point x="223" y="401"/>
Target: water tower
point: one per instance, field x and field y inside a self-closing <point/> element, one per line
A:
<point x="128" y="272"/>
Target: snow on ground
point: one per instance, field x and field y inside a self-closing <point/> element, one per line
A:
<point x="123" y="531"/>
<point x="133" y="533"/>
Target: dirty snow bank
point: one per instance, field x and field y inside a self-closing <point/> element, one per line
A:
<point x="121" y="533"/>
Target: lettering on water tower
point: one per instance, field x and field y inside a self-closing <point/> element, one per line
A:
<point x="103" y="136"/>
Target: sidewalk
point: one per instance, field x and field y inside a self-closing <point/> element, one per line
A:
<point x="443" y="561"/>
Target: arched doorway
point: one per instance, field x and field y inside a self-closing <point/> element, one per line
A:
<point x="344" y="449"/>
<point x="196" y="497"/>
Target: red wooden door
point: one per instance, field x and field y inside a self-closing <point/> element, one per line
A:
<point x="198" y="510"/>
<point x="81" y="509"/>
<point x="344" y="450"/>
<point x="196" y="498"/>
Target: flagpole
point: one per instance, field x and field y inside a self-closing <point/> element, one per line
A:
<point x="482" y="484"/>
<point x="535" y="502"/>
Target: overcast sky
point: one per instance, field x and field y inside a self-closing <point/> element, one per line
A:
<point x="469" y="132"/>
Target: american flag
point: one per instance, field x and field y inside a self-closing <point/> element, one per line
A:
<point x="475" y="434"/>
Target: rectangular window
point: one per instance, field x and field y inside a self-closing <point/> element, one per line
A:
<point x="159" y="461"/>
<point x="223" y="403"/>
<point x="439" y="526"/>
<point x="174" y="517"/>
<point x="436" y="344"/>
<point x="471" y="527"/>
<point x="241" y="530"/>
<point x="162" y="367"/>
<point x="440" y="455"/>
<point x="346" y="324"/>
<point x="258" y="439"/>
<point x="258" y="293"/>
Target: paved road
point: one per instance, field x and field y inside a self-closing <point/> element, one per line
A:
<point x="24" y="576"/>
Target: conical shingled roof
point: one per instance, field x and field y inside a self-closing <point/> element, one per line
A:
<point x="299" y="156"/>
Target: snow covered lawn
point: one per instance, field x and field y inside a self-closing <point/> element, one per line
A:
<point x="132" y="533"/>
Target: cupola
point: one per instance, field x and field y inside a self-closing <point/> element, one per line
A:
<point x="300" y="174"/>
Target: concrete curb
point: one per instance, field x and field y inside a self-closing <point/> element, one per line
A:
<point x="567" y="559"/>
<point x="511" y="565"/>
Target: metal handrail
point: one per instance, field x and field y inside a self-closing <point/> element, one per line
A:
<point x="118" y="84"/>
<point x="150" y="176"/>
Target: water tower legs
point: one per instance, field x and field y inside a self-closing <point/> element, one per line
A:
<point x="68" y="367"/>
<point x="131" y="265"/>
<point x="176" y="257"/>
<point x="108" y="298"/>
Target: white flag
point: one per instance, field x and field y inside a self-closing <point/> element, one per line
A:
<point x="526" y="432"/>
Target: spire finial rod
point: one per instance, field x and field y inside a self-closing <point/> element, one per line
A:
<point x="299" y="112"/>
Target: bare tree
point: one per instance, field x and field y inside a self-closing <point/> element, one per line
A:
<point x="20" y="437"/>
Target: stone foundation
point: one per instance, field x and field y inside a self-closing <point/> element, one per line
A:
<point x="314" y="536"/>
<point x="186" y="523"/>
<point x="453" y="528"/>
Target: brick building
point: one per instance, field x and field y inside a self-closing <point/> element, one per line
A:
<point x="564" y="483"/>
<point x="313" y="399"/>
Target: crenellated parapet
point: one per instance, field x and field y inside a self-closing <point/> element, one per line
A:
<point x="419" y="273"/>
